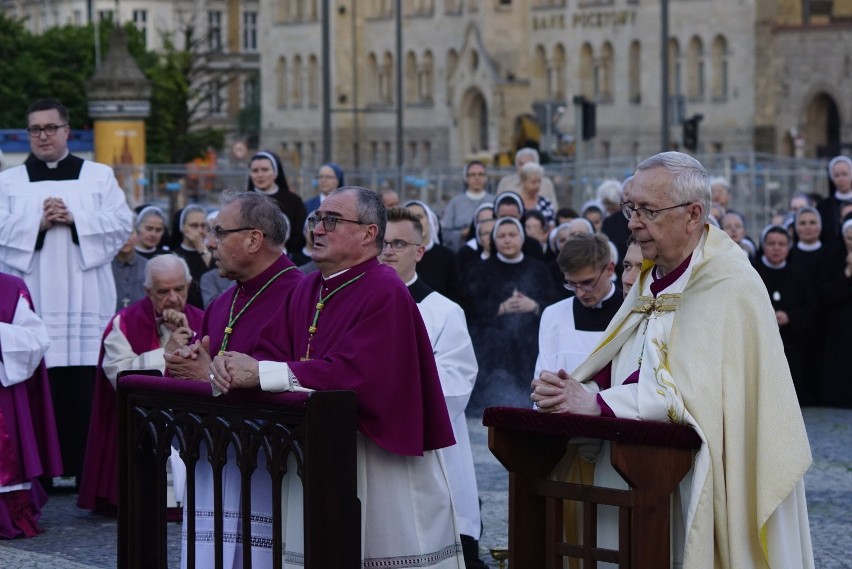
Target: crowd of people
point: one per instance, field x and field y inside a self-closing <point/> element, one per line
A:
<point x="504" y="288"/>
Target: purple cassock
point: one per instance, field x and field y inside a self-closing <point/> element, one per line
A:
<point x="259" y="332"/>
<point x="370" y="338"/>
<point x="99" y="484"/>
<point x="29" y="446"/>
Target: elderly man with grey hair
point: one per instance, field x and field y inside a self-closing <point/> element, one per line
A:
<point x="512" y="182"/>
<point x="696" y="342"/>
<point x="136" y="338"/>
<point x="353" y="326"/>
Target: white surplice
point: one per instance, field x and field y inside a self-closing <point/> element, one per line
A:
<point x="22" y="345"/>
<point x="72" y="285"/>
<point x="457" y="368"/>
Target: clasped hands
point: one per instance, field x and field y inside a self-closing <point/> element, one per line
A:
<point x="518" y="302"/>
<point x="558" y="392"/>
<point x="230" y="370"/>
<point x="54" y="210"/>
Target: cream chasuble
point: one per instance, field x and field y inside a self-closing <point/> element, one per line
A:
<point x="710" y="356"/>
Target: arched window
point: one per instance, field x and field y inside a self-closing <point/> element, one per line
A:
<point x="313" y="82"/>
<point x="587" y="71"/>
<point x="410" y="78"/>
<point x="427" y="77"/>
<point x="281" y="82"/>
<point x="606" y="69"/>
<point x="719" y="85"/>
<point x="386" y="79"/>
<point x="558" y="86"/>
<point x="540" y="87"/>
<point x="635" y="72"/>
<point x="675" y="85"/>
<point x="452" y="65"/>
<point x="371" y="85"/>
<point x="695" y="69"/>
<point x="297" y="85"/>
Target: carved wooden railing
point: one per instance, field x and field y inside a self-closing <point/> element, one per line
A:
<point x="652" y="457"/>
<point x="318" y="429"/>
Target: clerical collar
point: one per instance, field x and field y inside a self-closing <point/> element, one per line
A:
<point x="144" y="250"/>
<point x="766" y="262"/>
<point x="254" y="284"/>
<point x="509" y="261"/>
<point x="334" y="280"/>
<point x="473" y="196"/>
<point x="809" y="247"/>
<point x="843" y="197"/>
<point x="412" y="281"/>
<point x="54" y="165"/>
<point x="662" y="283"/>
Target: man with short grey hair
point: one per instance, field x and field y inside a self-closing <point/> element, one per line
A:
<point x="353" y="326"/>
<point x="696" y="342"/>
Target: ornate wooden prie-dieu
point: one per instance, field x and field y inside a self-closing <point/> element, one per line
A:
<point x="318" y="429"/>
<point x="652" y="457"/>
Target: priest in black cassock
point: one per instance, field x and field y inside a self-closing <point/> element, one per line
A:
<point x="62" y="220"/>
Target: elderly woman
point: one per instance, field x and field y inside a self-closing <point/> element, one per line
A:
<point x="266" y="175"/>
<point x="531" y="175"/>
<point x="794" y="301"/>
<point x="150" y="229"/>
<point x="507" y="293"/>
<point x="835" y="290"/>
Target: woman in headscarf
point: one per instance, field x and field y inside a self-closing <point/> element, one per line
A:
<point x="794" y="301"/>
<point x="266" y="175"/>
<point x="835" y="291"/>
<point x="150" y="228"/>
<point x="510" y="204"/>
<point x="478" y="247"/>
<point x="438" y="268"/>
<point x="840" y="176"/>
<point x="507" y="294"/>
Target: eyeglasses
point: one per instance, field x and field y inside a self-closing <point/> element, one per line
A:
<point x="397" y="245"/>
<point x="219" y="233"/>
<point x="644" y="213"/>
<point x="476" y="174"/>
<point x="329" y="222"/>
<point x="584" y="286"/>
<point x="48" y="129"/>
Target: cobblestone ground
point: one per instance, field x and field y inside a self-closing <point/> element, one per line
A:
<point x="75" y="539"/>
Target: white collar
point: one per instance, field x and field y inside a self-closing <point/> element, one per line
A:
<point x="54" y="165"/>
<point x="809" y="247"/>
<point x="509" y="261"/>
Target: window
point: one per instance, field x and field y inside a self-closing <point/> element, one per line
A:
<point x="140" y="22"/>
<point x="105" y="16"/>
<point x="313" y="81"/>
<point x="281" y="82"/>
<point x="251" y="92"/>
<point x="249" y="31"/>
<point x="719" y="81"/>
<point x="587" y="72"/>
<point x="410" y="78"/>
<point x="635" y="72"/>
<point x="557" y="74"/>
<point x="605" y="91"/>
<point x="214" y="97"/>
<point x="425" y="79"/>
<point x="695" y="69"/>
<point x="296" y="84"/>
<point x="214" y="30"/>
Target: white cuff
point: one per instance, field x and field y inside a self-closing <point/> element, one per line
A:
<point x="274" y="376"/>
